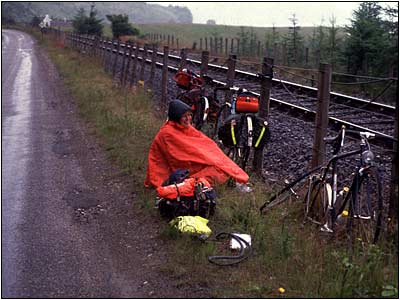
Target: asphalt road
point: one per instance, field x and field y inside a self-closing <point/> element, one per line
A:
<point x="71" y="225"/>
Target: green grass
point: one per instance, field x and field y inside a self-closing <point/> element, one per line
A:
<point x="190" y="33"/>
<point x="286" y="254"/>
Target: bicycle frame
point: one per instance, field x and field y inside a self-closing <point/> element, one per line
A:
<point x="332" y="164"/>
<point x="332" y="198"/>
<point x="197" y="97"/>
<point x="245" y="123"/>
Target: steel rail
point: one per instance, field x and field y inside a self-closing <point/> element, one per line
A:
<point x="381" y="139"/>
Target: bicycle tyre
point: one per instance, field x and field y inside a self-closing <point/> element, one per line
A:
<point x="245" y="157"/>
<point x="242" y="159"/>
<point x="222" y="114"/>
<point x="317" y="201"/>
<point x="198" y="114"/>
<point x="241" y="151"/>
<point x="365" y="222"/>
<point x="276" y="200"/>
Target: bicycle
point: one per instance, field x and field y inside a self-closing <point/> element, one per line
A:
<point x="361" y="204"/>
<point x="204" y="107"/>
<point x="238" y="130"/>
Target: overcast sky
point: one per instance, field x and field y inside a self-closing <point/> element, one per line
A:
<point x="266" y="14"/>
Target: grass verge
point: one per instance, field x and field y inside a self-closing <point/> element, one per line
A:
<point x="289" y="260"/>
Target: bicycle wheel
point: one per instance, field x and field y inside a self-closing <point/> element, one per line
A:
<point x="318" y="205"/>
<point x="365" y="223"/>
<point x="200" y="112"/>
<point x="240" y="155"/>
<point x="276" y="200"/>
<point x="222" y="114"/>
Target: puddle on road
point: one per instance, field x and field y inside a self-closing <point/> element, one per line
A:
<point x="81" y="199"/>
<point x="86" y="206"/>
<point x="62" y="145"/>
<point x="61" y="148"/>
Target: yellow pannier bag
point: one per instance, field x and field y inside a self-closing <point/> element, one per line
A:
<point x="192" y="225"/>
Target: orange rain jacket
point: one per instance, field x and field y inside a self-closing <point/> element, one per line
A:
<point x="178" y="147"/>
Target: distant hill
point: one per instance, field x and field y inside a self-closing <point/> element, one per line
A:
<point x="138" y="12"/>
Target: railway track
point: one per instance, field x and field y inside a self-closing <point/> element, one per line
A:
<point x="354" y="113"/>
<point x="291" y="119"/>
<point x="292" y="98"/>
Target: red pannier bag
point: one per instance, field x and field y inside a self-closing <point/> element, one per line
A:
<point x="246" y="103"/>
<point x="192" y="197"/>
<point x="187" y="80"/>
<point x="185" y="188"/>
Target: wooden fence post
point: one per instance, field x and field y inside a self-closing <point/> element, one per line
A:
<point x="124" y="50"/>
<point x="116" y="59"/>
<point x="238" y="47"/>
<point x="266" y="86"/>
<point x="164" y="80"/>
<point x="82" y="43"/>
<point x="78" y="42"/>
<point x="226" y="46"/>
<point x="153" y="64"/>
<point x="321" y="118"/>
<point x="98" y="49"/>
<point x="93" y="46"/>
<point x="144" y="57"/>
<point x="230" y="76"/>
<point x="126" y="69"/>
<point x="135" y="62"/>
<point x="109" y="57"/>
<point x="307" y="56"/>
<point x="88" y="44"/>
<point x="205" y="55"/>
<point x="211" y="46"/>
<point x="318" y="57"/>
<point x="206" y="42"/>
<point x="105" y="46"/>
<point x="201" y="43"/>
<point x="182" y="63"/>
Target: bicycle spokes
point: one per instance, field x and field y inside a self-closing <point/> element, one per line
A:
<point x="367" y="208"/>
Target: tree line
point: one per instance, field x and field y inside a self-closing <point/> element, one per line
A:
<point x="90" y="24"/>
<point x="369" y="45"/>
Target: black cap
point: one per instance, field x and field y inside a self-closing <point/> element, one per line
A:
<point x="176" y="110"/>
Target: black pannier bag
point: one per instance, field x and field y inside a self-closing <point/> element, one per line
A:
<point x="201" y="203"/>
<point x="233" y="125"/>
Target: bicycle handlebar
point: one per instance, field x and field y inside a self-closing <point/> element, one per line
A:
<point x="363" y="134"/>
<point x="337" y="141"/>
<point x="225" y="88"/>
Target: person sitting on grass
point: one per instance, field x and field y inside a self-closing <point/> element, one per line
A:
<point x="178" y="145"/>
